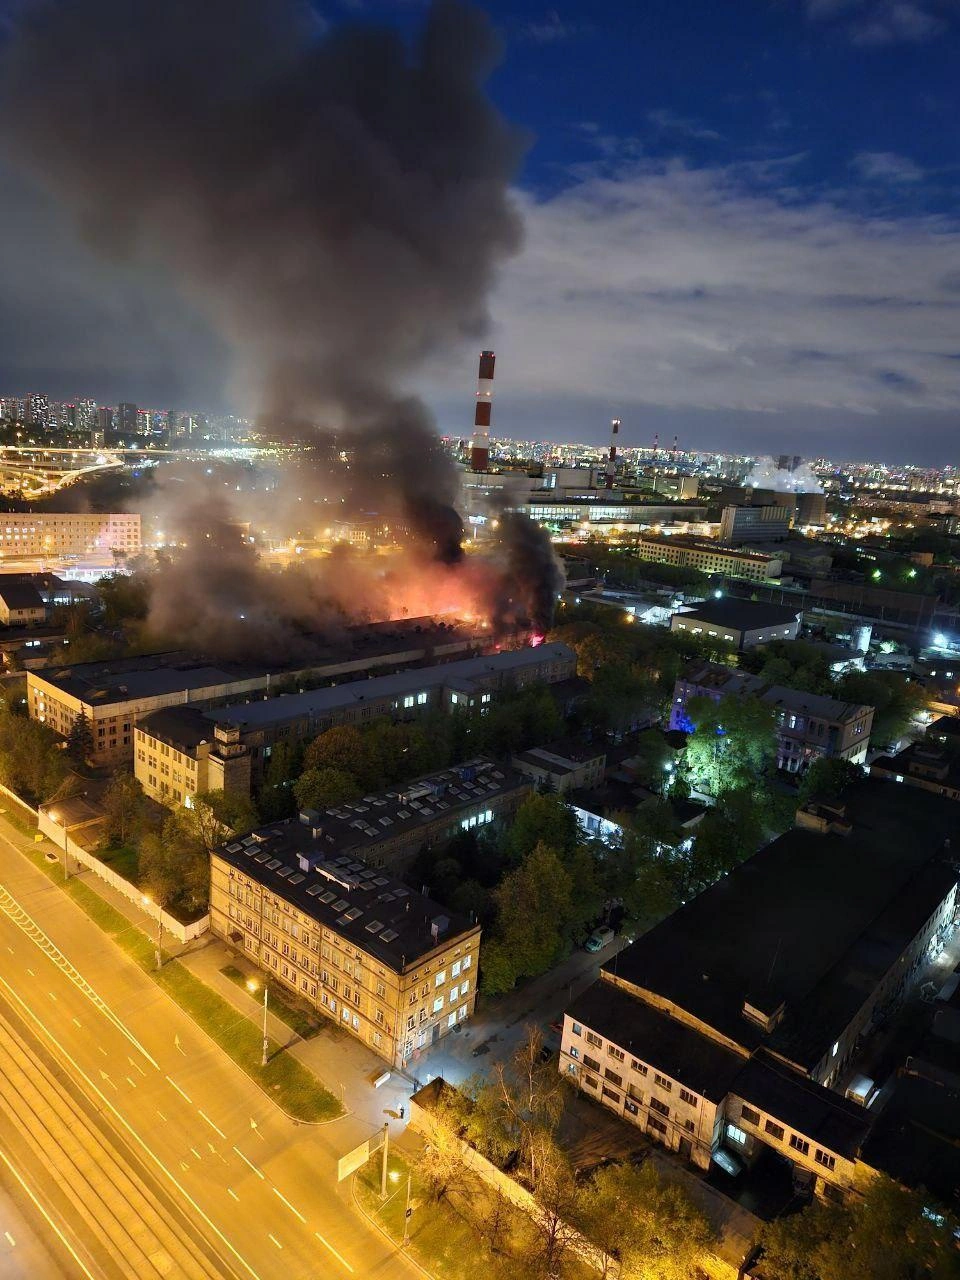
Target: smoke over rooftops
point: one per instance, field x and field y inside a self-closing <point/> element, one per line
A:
<point x="335" y="202"/>
<point x="767" y="475"/>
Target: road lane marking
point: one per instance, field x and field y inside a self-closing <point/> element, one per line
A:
<point x="130" y="1081"/>
<point x="214" y="1127"/>
<point x="281" y="1196"/>
<point x="230" y="1191"/>
<point x="136" y="1065"/>
<point x="28" y="926"/>
<point x="258" y="1172"/>
<point x="275" y="1240"/>
<point x="184" y="1166"/>
<point x="11" y="950"/>
<point x="51" y="995"/>
<point x="196" y="1153"/>
<point x="77" y="1023"/>
<point x="161" y="1115"/>
<point x="10" y="1240"/>
<point x="256" y="1130"/>
<point x="104" y="1076"/>
<point x="180" y="1091"/>
<point x="128" y="1127"/>
<point x="60" y="1236"/>
<point x="338" y="1256"/>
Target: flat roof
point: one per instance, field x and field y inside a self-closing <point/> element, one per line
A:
<point x="706" y="544"/>
<point x="811" y="922"/>
<point x="802" y="1104"/>
<point x="743" y="615"/>
<point x="916" y="1137"/>
<point x="365" y="906"/>
<point x="20" y="595"/>
<point x="726" y="680"/>
<point x="150" y="676"/>
<point x="561" y="757"/>
<point x="401" y="811"/>
<point x="321" y="702"/>
<point x="666" y="1044"/>
<point x="180" y="727"/>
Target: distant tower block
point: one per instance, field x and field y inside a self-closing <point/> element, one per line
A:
<point x="480" y="450"/>
<point x="612" y="460"/>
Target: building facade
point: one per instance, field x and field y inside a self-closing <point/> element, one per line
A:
<point x="68" y="534"/>
<point x="741" y="623"/>
<point x="755" y="524"/>
<point x="708" y="557"/>
<point x="178" y="753"/>
<point x="388" y="965"/>
<point x="809" y="725"/>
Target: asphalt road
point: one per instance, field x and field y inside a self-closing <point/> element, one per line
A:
<point x="189" y="1169"/>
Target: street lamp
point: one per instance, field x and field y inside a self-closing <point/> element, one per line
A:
<point x="252" y="987"/>
<point x="54" y="818"/>
<point x="158" y="955"/>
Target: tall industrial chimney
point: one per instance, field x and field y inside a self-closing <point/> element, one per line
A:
<point x="480" y="450"/>
<point x="612" y="460"/>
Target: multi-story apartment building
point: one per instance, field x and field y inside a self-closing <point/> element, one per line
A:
<point x="756" y="524"/>
<point x="563" y="766"/>
<point x="708" y="557"/>
<point x="178" y="753"/>
<point x="68" y="534"/>
<point x="386" y="964"/>
<point x="733" y="1027"/>
<point x="742" y="623"/>
<point x="809" y="725"/>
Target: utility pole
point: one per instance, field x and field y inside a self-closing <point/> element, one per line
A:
<point x="383" y="1167"/>
<point x="406" y="1214"/>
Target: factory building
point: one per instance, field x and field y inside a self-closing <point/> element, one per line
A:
<point x="755" y="524"/>
<point x="708" y="557"/>
<point x="731" y="1031"/>
<point x="178" y="753"/>
<point x="47" y="534"/>
<point x="742" y="623"/>
<point x="387" y="965"/>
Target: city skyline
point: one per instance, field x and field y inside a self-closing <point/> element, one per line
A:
<point x="744" y="248"/>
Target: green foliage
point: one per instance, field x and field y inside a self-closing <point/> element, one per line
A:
<point x="734" y="743"/>
<point x="794" y="663"/>
<point x="541" y="819"/>
<point x="32" y="762"/>
<point x="649" y="1221"/>
<point x="896" y="699"/>
<point x="325" y="788"/>
<point x="827" y="780"/>
<point x="886" y="1236"/>
<point x="125" y="809"/>
<point x="125" y="597"/>
<point x="80" y="739"/>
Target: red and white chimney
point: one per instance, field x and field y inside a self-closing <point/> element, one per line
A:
<point x="480" y="449"/>
<point x="612" y="460"/>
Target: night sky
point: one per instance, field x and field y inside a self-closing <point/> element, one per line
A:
<point x="741" y="229"/>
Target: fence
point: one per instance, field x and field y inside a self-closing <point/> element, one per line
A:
<point x="56" y="834"/>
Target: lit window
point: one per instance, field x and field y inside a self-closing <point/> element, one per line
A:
<point x="736" y="1135"/>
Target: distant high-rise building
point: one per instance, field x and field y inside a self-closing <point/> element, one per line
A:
<point x="38" y="411"/>
<point x="86" y="415"/>
<point x="788" y="462"/>
<point x="105" y="419"/>
<point x="127" y="418"/>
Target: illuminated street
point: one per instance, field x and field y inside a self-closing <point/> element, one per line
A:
<point x="190" y="1158"/>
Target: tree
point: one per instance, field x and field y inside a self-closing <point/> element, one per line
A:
<point x="828" y="780"/>
<point x="161" y="872"/>
<point x="125" y="808"/>
<point x="891" y="1234"/>
<point x="649" y="1220"/>
<point x="734" y="742"/>
<point x="533" y="906"/>
<point x="345" y="748"/>
<point x="125" y="597"/>
<point x="80" y="739"/>
<point x="896" y="699"/>
<point x="546" y="819"/>
<point x="325" y="788"/>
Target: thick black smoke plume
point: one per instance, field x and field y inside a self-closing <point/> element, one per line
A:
<point x="337" y="203"/>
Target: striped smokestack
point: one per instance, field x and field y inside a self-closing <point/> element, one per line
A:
<point x="612" y="460"/>
<point x="480" y="449"/>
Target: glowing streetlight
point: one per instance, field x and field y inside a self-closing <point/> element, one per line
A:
<point x="158" y="954"/>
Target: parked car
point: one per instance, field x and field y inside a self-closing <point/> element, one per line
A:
<point x="599" y="939"/>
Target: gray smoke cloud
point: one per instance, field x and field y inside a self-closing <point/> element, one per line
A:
<point x="767" y="475"/>
<point x="337" y="203"/>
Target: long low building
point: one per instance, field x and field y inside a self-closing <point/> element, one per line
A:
<point x="391" y="967"/>
<point x="733" y="1027"/>
<point x="182" y="742"/>
<point x="49" y="534"/>
<point x="741" y="623"/>
<point x="708" y="557"/>
<point x="809" y="725"/>
<point x="117" y="694"/>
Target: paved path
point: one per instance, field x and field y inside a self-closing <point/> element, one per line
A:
<point x="256" y="1188"/>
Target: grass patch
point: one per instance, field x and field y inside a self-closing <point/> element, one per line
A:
<point x="467" y="1235"/>
<point x="124" y="860"/>
<point x="298" y="1020"/>
<point x="285" y="1079"/>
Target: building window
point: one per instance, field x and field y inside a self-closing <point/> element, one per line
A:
<point x="662" y="1081"/>
<point x="748" y="1114"/>
<point x="657" y="1125"/>
<point x="613" y="1052"/>
<point x="774" y="1130"/>
<point x="639" y="1067"/>
<point x="609" y="1093"/>
<point x="596" y="1041"/>
<point x="592" y="1081"/>
<point x="827" y="1160"/>
<point x="692" y="1100"/>
<point x="440" y="978"/>
<point x="574" y="1051"/>
<point x="736" y="1135"/>
<point x="576" y="1028"/>
<point x="613" y="1077"/>
<point x="592" y="1063"/>
<point x="800" y="1144"/>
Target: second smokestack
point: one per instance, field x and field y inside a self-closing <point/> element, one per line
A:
<point x="480" y="448"/>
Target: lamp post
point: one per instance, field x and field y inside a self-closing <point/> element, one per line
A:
<point x="55" y="819"/>
<point x="406" y="1215"/>
<point x="252" y="987"/>
<point x="158" y="954"/>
